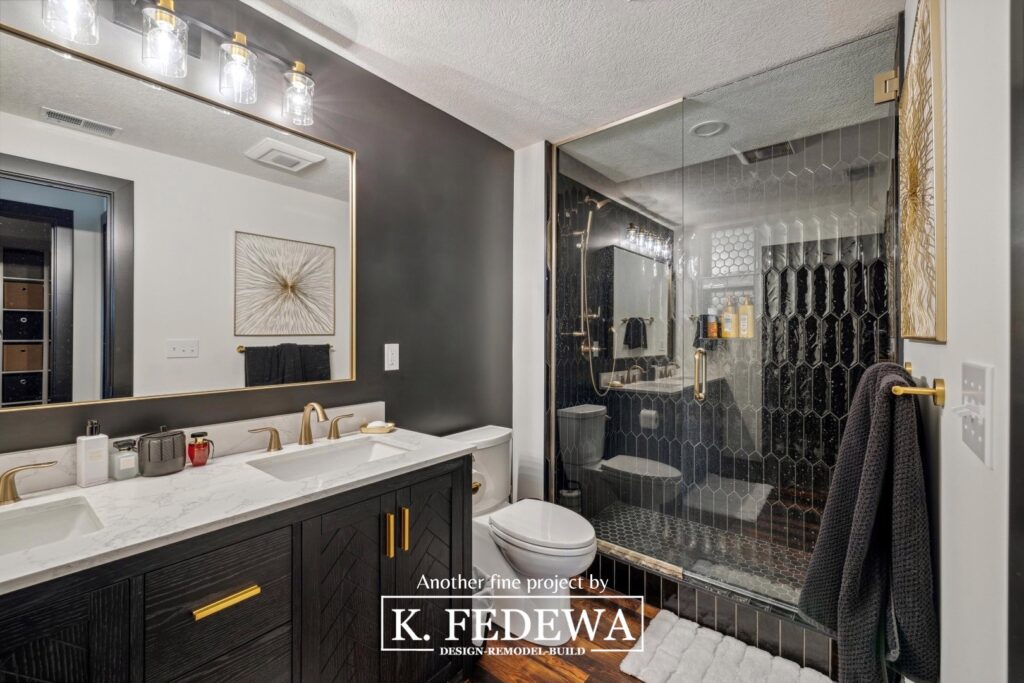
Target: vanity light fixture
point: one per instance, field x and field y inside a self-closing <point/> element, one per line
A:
<point x="73" y="20"/>
<point x="164" y="40"/>
<point x="238" y="70"/>
<point x="298" y="97"/>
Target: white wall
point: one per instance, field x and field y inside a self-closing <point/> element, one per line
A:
<point x="974" y="498"/>
<point x="87" y="303"/>
<point x="528" y="265"/>
<point x="186" y="215"/>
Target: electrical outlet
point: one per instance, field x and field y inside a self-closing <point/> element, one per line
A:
<point x="182" y="348"/>
<point x="390" y="357"/>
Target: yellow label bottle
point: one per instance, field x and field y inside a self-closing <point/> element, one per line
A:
<point x="746" y="318"/>
<point x="729" y="320"/>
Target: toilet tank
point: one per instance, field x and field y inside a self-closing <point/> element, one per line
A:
<point x="581" y="434"/>
<point x="492" y="466"/>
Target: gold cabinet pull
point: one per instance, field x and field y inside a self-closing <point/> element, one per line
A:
<point x="700" y="374"/>
<point x="406" y="514"/>
<point x="389" y="534"/>
<point x="224" y="603"/>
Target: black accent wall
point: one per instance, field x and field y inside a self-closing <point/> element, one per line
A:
<point x="434" y="264"/>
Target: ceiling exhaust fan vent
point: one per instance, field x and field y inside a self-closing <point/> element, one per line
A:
<point x="62" y="118"/>
<point x="282" y="155"/>
<point x="752" y="156"/>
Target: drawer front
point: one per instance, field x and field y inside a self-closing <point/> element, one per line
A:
<point x="178" y="642"/>
<point x="24" y="295"/>
<point x="23" y="357"/>
<point x="22" y="387"/>
<point x="22" y="326"/>
<point x="268" y="659"/>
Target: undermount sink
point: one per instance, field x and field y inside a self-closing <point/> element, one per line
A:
<point x="331" y="459"/>
<point x="24" y="528"/>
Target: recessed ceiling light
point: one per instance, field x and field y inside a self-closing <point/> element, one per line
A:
<point x="707" y="129"/>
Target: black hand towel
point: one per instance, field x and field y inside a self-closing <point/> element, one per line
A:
<point x="316" y="362"/>
<point x="635" y="336"/>
<point x="262" y="366"/>
<point x="291" y="364"/>
<point x="869" y="581"/>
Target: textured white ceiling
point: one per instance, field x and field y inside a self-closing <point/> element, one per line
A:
<point x="154" y="118"/>
<point x="529" y="70"/>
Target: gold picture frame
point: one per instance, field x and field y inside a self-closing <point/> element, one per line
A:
<point x="922" y="179"/>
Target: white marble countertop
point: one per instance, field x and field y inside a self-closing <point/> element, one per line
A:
<point x="148" y="512"/>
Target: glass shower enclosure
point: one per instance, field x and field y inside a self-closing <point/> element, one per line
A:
<point x="721" y="278"/>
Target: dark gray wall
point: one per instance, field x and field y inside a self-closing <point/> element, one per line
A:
<point x="434" y="263"/>
<point x="1016" y="569"/>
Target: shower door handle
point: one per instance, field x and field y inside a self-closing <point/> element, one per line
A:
<point x="700" y="374"/>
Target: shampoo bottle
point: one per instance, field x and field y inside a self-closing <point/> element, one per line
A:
<point x="746" y="318"/>
<point x="729" y="322"/>
<point x="91" y="456"/>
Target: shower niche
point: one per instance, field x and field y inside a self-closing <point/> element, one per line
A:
<point x="717" y="451"/>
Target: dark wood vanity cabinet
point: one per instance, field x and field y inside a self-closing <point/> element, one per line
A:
<point x="380" y="546"/>
<point x="292" y="596"/>
<point x="78" y="635"/>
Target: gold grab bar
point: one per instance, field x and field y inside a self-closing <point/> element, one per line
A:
<point x="700" y="374"/>
<point x="389" y="535"/>
<point x="406" y="515"/>
<point x="937" y="390"/>
<point x="241" y="349"/>
<point x="224" y="603"/>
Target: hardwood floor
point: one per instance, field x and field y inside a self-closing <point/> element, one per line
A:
<point x="600" y="667"/>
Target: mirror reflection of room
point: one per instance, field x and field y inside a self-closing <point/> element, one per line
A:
<point x="154" y="244"/>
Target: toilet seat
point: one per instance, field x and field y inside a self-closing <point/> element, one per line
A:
<point x="502" y="537"/>
<point x="543" y="527"/>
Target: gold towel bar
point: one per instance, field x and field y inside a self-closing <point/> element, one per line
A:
<point x="241" y="349"/>
<point x="224" y="603"/>
<point x="937" y="391"/>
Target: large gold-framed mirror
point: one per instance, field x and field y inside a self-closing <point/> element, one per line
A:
<point x="155" y="243"/>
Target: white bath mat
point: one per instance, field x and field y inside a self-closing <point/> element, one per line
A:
<point x="710" y="496"/>
<point x="681" y="651"/>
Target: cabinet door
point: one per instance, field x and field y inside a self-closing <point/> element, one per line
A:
<point x="435" y="551"/>
<point x="343" y="575"/>
<point x="74" y="637"/>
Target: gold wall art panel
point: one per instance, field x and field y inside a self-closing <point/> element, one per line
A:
<point x="922" y="170"/>
<point x="283" y="287"/>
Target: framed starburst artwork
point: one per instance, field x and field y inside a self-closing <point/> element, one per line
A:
<point x="922" y="175"/>
<point x="283" y="287"/>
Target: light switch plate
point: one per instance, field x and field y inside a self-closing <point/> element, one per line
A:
<point x="182" y="348"/>
<point x="976" y="414"/>
<point x="390" y="357"/>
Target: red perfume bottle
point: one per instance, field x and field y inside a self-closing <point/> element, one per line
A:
<point x="199" y="449"/>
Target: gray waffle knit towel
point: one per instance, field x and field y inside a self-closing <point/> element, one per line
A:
<point x="869" y="581"/>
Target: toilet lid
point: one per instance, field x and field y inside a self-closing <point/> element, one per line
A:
<point x="543" y="524"/>
<point x="630" y="464"/>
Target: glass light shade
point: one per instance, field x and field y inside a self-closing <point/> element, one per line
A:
<point x="298" y="98"/>
<point x="238" y="73"/>
<point x="73" y="20"/>
<point x="164" y="42"/>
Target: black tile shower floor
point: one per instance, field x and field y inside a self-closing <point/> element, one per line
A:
<point x="755" y="565"/>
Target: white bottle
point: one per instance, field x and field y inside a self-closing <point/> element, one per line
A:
<point x="91" y="456"/>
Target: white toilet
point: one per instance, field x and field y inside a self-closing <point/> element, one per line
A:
<point x="517" y="542"/>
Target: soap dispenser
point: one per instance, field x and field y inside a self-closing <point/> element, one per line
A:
<point x="124" y="462"/>
<point x="91" y="456"/>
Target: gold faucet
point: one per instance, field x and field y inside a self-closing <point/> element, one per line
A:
<point x="274" y="444"/>
<point x="305" y="431"/>
<point x="8" y="490"/>
<point x="335" y="432"/>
